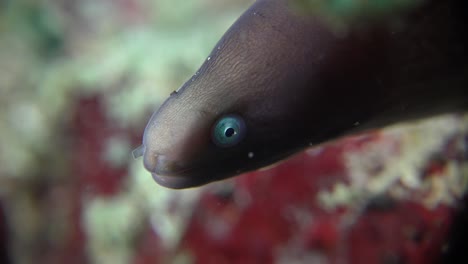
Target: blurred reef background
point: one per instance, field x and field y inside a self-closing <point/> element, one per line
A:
<point x="80" y="79"/>
<point x="78" y="82"/>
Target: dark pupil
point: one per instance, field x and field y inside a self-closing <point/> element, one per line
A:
<point x="229" y="132"/>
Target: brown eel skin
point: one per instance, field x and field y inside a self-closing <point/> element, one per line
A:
<point x="288" y="81"/>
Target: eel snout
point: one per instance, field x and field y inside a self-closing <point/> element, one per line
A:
<point x="165" y="171"/>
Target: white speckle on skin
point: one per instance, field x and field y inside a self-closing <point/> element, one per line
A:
<point x="250" y="155"/>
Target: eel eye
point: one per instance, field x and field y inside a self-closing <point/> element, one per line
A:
<point x="228" y="131"/>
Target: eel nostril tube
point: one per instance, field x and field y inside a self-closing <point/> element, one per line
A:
<point x="138" y="152"/>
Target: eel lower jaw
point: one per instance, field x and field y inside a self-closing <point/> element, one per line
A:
<point x="169" y="173"/>
<point x="173" y="182"/>
<point x="161" y="165"/>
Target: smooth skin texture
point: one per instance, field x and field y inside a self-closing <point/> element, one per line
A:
<point x="294" y="82"/>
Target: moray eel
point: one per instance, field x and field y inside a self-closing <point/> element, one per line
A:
<point x="279" y="81"/>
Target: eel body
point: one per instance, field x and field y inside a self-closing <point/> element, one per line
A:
<point x="279" y="81"/>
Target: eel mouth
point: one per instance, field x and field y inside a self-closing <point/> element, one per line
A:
<point x="161" y="165"/>
<point x="184" y="182"/>
<point x="173" y="182"/>
<point x="172" y="174"/>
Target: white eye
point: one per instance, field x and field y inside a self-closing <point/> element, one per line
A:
<point x="228" y="131"/>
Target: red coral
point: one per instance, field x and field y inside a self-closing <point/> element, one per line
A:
<point x="90" y="130"/>
<point x="282" y="208"/>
